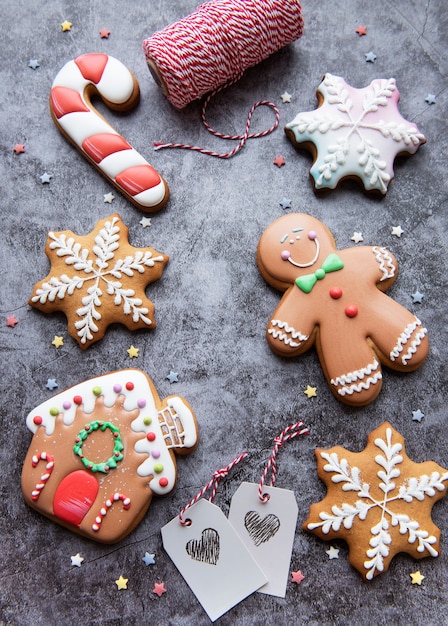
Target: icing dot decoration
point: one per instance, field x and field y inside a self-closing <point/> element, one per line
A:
<point x="66" y="405"/>
<point x="77" y="400"/>
<point x="96" y="391"/>
<point x="147" y="421"/>
<point x="117" y="388"/>
<point x="117" y="454"/>
<point x="351" y="310"/>
<point x="54" y="411"/>
<point x="141" y="403"/>
<point x="151" y="436"/>
<point x="158" y="468"/>
<point x="163" y="482"/>
<point x="37" y="420"/>
<point x="130" y="386"/>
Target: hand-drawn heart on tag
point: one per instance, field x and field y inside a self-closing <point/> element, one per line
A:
<point x="205" y="549"/>
<point x="261" y="529"/>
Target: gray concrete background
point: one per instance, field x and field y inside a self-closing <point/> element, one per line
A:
<point x="212" y="305"/>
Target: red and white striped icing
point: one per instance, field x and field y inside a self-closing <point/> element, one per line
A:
<point x="100" y="143"/>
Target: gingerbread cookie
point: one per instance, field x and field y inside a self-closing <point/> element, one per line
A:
<point x="378" y="501"/>
<point x="355" y="133"/>
<point x="98" y="279"/>
<point x="334" y="299"/>
<point x="72" y="111"/>
<point x="101" y="449"/>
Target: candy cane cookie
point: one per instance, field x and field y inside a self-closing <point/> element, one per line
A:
<point x="72" y="111"/>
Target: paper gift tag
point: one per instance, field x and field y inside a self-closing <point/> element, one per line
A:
<point x="267" y="530"/>
<point x="212" y="558"/>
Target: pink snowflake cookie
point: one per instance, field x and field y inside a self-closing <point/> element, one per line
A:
<point x="355" y="133"/>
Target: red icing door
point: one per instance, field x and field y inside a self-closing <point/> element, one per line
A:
<point x="74" y="496"/>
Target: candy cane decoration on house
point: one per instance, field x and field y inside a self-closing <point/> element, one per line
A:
<point x="103" y="511"/>
<point x="73" y="113"/>
<point x="49" y="466"/>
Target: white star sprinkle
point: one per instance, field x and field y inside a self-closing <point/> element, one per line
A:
<point x="333" y="553"/>
<point x="286" y="97"/>
<point x="145" y="221"/>
<point x="357" y="237"/>
<point x="77" y="560"/>
<point x="109" y="197"/>
<point x="397" y="231"/>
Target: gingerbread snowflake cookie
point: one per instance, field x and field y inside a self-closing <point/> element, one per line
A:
<point x="355" y="133"/>
<point x="334" y="300"/>
<point x="378" y="501"/>
<point x="98" y="279"/>
<point x="101" y="449"/>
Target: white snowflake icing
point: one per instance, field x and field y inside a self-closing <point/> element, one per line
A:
<point x="103" y="271"/>
<point x="346" y="515"/>
<point x="357" y="132"/>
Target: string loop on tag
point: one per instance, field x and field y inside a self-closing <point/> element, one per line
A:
<point x="290" y="432"/>
<point x="213" y="485"/>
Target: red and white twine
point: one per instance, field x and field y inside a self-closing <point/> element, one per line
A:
<point x="211" y="48"/>
<point x="213" y="485"/>
<point x="290" y="432"/>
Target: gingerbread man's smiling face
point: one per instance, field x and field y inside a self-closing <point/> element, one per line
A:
<point x="292" y="246"/>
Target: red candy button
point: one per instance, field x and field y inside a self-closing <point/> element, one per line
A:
<point x="335" y="293"/>
<point x="351" y="310"/>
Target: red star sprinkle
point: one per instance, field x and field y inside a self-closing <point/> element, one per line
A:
<point x="297" y="577"/>
<point x="104" y="33"/>
<point x="361" y="30"/>
<point x="159" y="589"/>
<point x="11" y="321"/>
<point x="19" y="148"/>
<point x="279" y="161"/>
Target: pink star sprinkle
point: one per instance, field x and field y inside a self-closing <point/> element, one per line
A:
<point x="297" y="577"/>
<point x="11" y="321"/>
<point x="19" y="148"/>
<point x="279" y="161"/>
<point x="361" y="30"/>
<point x="104" y="33"/>
<point x="159" y="589"/>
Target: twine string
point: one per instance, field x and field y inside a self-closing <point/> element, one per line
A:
<point x="213" y="485"/>
<point x="290" y="432"/>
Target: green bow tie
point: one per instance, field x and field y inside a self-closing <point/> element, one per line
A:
<point x="331" y="264"/>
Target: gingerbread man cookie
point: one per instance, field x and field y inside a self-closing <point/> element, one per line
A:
<point x="101" y="449"/>
<point x="98" y="279"/>
<point x="334" y="299"/>
<point x="355" y="133"/>
<point x="378" y="501"/>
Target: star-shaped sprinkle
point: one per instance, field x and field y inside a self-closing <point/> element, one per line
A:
<point x="285" y="203"/>
<point x="355" y="133"/>
<point x="45" y="178"/>
<point x="145" y="222"/>
<point x="310" y="392"/>
<point x="430" y="98"/>
<point x="361" y="30"/>
<point x="397" y="231"/>
<point x="370" y="57"/>
<point x="159" y="589"/>
<point x="104" y="33"/>
<point x="109" y="197"/>
<point x="297" y="577"/>
<point x="11" y="321"/>
<point x="33" y="64"/>
<point x="379" y="501"/>
<point x="173" y="377"/>
<point x="279" y="161"/>
<point x="51" y="384"/>
<point x="77" y="560"/>
<point x="58" y="341"/>
<point x="19" y="148"/>
<point x="66" y="26"/>
<point x="149" y="559"/>
<point x="333" y="553"/>
<point x="357" y="237"/>
<point x="98" y="279"/>
<point x="417" y="297"/>
<point x="133" y="352"/>
<point x="286" y="97"/>
<point x="122" y="583"/>
<point x="416" y="578"/>
<point x="417" y="416"/>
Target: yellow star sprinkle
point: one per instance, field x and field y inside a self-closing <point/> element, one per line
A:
<point x="122" y="583"/>
<point x="416" y="578"/>
<point x="310" y="392"/>
<point x="58" y="341"/>
<point x="133" y="352"/>
<point x="66" y="25"/>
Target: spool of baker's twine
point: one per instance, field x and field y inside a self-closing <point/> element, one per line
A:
<point x="210" y="49"/>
